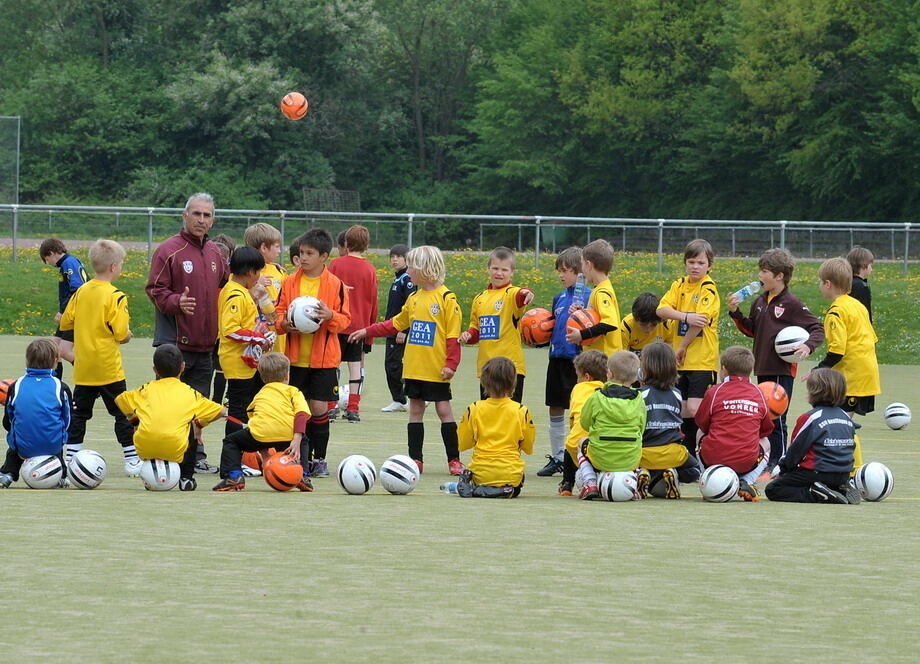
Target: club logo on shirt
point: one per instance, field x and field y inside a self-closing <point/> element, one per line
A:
<point x="435" y="309"/>
<point x="696" y="298"/>
<point x="778" y="311"/>
<point x="499" y="304"/>
<point x="213" y="266"/>
<point x="187" y="266"/>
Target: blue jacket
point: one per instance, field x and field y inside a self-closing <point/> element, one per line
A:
<point x="558" y="346"/>
<point x="72" y="277"/>
<point x="37" y="414"/>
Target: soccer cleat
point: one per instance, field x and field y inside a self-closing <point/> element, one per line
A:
<point x="352" y="416"/>
<point x="824" y="494"/>
<point x="851" y="492"/>
<point x="305" y="484"/>
<point x="202" y="467"/>
<point x="454" y="467"/>
<point x="187" y="484"/>
<point x="333" y="414"/>
<point x="133" y="467"/>
<point x="565" y="488"/>
<point x="748" y="492"/>
<point x="589" y="492"/>
<point x="251" y="472"/>
<point x="230" y="484"/>
<point x="421" y="466"/>
<point x="552" y="467"/>
<point x="394" y="407"/>
<point x="643" y="477"/>
<point x="5" y="480"/>
<point x="319" y="468"/>
<point x="672" y="485"/>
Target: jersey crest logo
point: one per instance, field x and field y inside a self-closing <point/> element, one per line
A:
<point x="435" y="309"/>
<point x="213" y="266"/>
<point x="187" y="266"/>
<point x="696" y="298"/>
<point x="778" y="311"/>
<point x="499" y="304"/>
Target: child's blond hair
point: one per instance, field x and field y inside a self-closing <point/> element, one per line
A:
<point x="105" y="253"/>
<point x="593" y="363"/>
<point x="623" y="367"/>
<point x="501" y="254"/>
<point x="600" y="254"/>
<point x="737" y="360"/>
<point x="357" y="238"/>
<point x="428" y="262"/>
<point x="838" y="272"/>
<point x="274" y="367"/>
<point x="261" y="233"/>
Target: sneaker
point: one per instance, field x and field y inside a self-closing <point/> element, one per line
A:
<point x="565" y="488"/>
<point x="333" y="414"/>
<point x="352" y="416"/>
<point x="589" y="492"/>
<point x="824" y="494"/>
<point x="5" y="480"/>
<point x="202" y="467"/>
<point x="552" y="467"/>
<point x="251" y="472"/>
<point x="851" y="492"/>
<point x="319" y="468"/>
<point x="748" y="492"/>
<point x="454" y="467"/>
<point x="305" y="484"/>
<point x="133" y="467"/>
<point x="643" y="478"/>
<point x="187" y="484"/>
<point x="672" y="486"/>
<point x="394" y="407"/>
<point x="421" y="466"/>
<point x="64" y="483"/>
<point x="230" y="484"/>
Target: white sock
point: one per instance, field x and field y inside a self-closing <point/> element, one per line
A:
<point x="129" y="452"/>
<point x="70" y="450"/>
<point x="588" y="474"/>
<point x="557" y="436"/>
<point x="752" y="476"/>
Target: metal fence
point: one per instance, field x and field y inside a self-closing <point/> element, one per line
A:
<point x="536" y="234"/>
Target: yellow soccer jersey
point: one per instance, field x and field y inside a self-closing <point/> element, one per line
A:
<point x="848" y="332"/>
<point x="277" y="275"/>
<point x="498" y="431"/>
<point x="308" y="286"/>
<point x="495" y="316"/>
<point x="604" y="301"/>
<point x="700" y="298"/>
<point x="98" y="315"/>
<point x="577" y="433"/>
<point x="430" y="318"/>
<point x="165" y="408"/>
<point x="236" y="310"/>
<point x="635" y="338"/>
<point x="272" y="411"/>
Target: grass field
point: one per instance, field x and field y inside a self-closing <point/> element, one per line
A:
<point x="121" y="574"/>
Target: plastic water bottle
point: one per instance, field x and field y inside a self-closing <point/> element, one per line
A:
<point x="580" y="288"/>
<point x="751" y="289"/>
<point x="449" y="487"/>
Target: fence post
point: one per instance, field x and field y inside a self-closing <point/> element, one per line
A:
<point x="15" y="231"/>
<point x="906" y="244"/>
<point x="480" y="237"/>
<point x="149" y="234"/>
<point x="411" y="218"/>
<point x="661" y="245"/>
<point x="733" y="241"/>
<point x="782" y="234"/>
<point x="536" y="242"/>
<point x="282" y="224"/>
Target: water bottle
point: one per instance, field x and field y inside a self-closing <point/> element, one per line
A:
<point x="449" y="487"/>
<point x="580" y="288"/>
<point x="746" y="292"/>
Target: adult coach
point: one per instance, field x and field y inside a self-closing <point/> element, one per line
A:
<point x="185" y="279"/>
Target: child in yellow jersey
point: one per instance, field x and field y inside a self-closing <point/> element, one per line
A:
<point x="267" y="240"/>
<point x="693" y="303"/>
<point x="163" y="409"/>
<point x="432" y="316"/>
<point x="596" y="263"/>
<point x="642" y="326"/>
<point x="850" y="338"/>
<point x="98" y="314"/>
<point x="277" y="417"/>
<point x="494" y="318"/>
<point x="591" y="372"/>
<point x="242" y="339"/>
<point x="498" y="430"/>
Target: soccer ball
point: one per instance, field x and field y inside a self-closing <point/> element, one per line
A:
<point x="302" y="314"/>
<point x="536" y="326"/>
<point x="719" y="484"/>
<point x="42" y="472"/>
<point x="582" y="319"/>
<point x="86" y="469"/>
<point x="618" y="487"/>
<point x="282" y="472"/>
<point x="897" y="416"/>
<point x="356" y="474"/>
<point x="159" y="475"/>
<point x="399" y="474"/>
<point x="874" y="481"/>
<point x="776" y="398"/>
<point x="787" y="340"/>
<point x="294" y="105"/>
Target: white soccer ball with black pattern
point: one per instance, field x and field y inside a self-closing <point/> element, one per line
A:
<point x="159" y="475"/>
<point x="86" y="469"/>
<point x="618" y="487"/>
<point x="301" y="314"/>
<point x="719" y="484"/>
<point x="787" y="340"/>
<point x="356" y="474"/>
<point x="897" y="416"/>
<point x="399" y="474"/>
<point x="42" y="472"/>
<point x="874" y="481"/>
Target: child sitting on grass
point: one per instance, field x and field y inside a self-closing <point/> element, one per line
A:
<point x="591" y="372"/>
<point x="498" y="430"/>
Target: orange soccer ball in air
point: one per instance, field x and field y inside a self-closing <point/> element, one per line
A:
<point x="294" y="105"/>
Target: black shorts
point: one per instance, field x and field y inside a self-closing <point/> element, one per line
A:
<point x="316" y="384"/>
<point x="66" y="335"/>
<point x="859" y="405"/>
<point x="427" y="390"/>
<point x="560" y="379"/>
<point x="693" y="384"/>
<point x="351" y="352"/>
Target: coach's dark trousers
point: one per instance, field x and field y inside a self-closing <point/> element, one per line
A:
<point x="794" y="486"/>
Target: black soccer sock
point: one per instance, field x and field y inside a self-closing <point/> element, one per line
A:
<point x="689" y="428"/>
<point x="568" y="468"/>
<point x="449" y="436"/>
<point x="318" y="431"/>
<point x="416" y="431"/>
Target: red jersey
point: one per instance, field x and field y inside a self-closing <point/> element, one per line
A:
<point x="733" y="417"/>
<point x="360" y="278"/>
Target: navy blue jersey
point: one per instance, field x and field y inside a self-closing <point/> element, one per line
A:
<point x="37" y="414"/>
<point x="663" y="416"/>
<point x="72" y="277"/>
<point x="558" y="346"/>
<point x="823" y="441"/>
<point x="400" y="290"/>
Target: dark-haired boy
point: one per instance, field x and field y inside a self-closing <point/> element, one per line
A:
<point x="400" y="290"/>
<point x="72" y="275"/>
<point x="642" y="326"/>
<point x="861" y="260"/>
